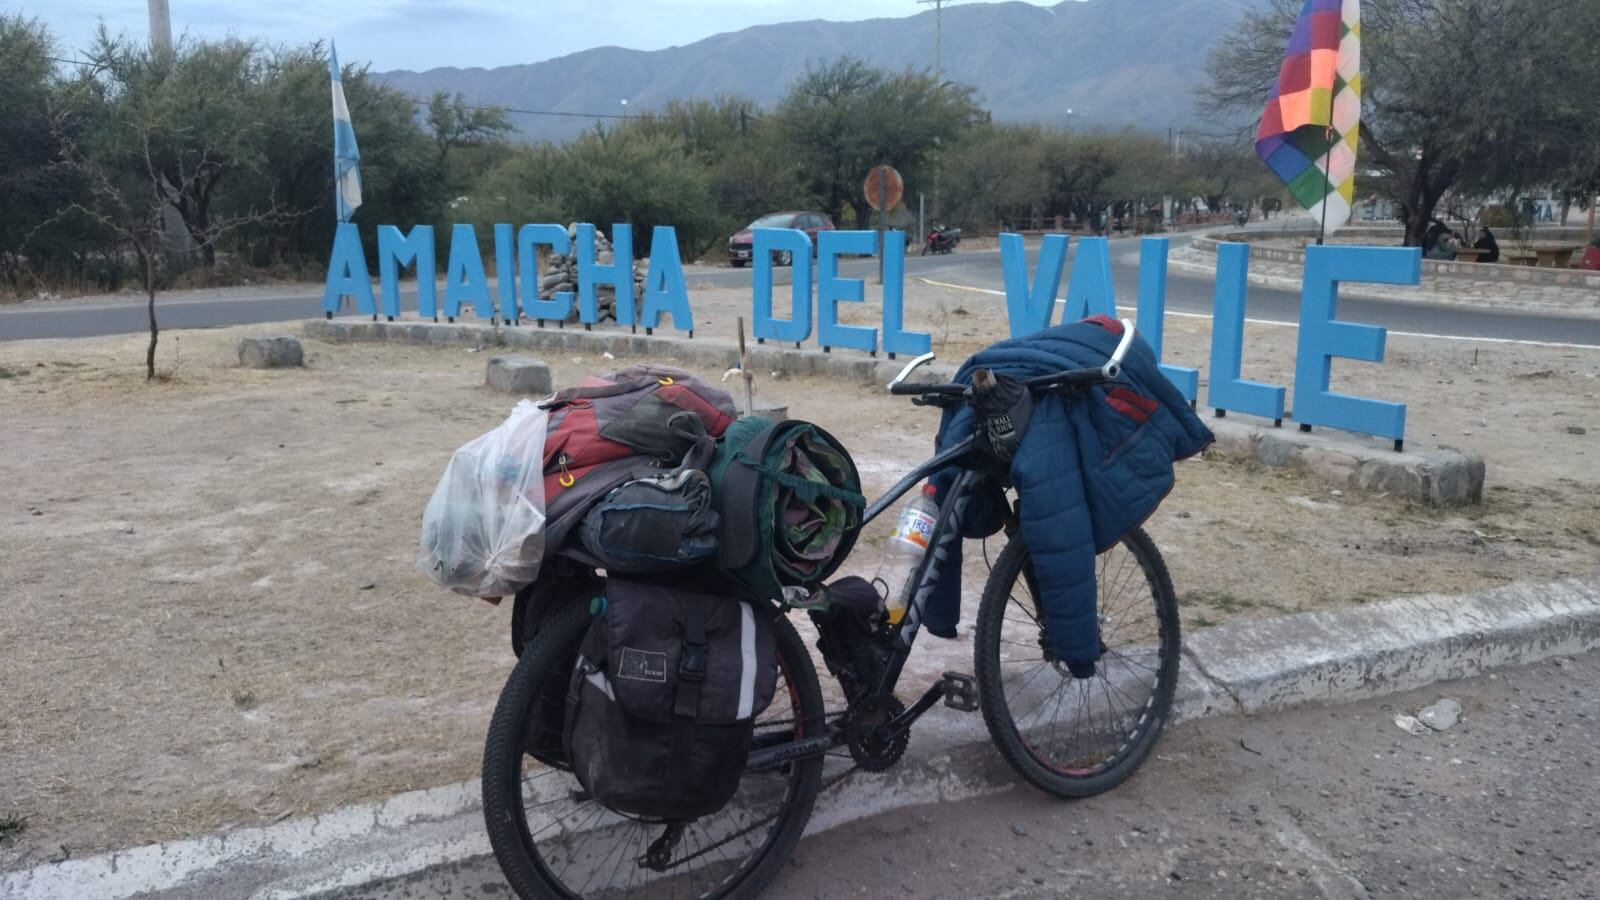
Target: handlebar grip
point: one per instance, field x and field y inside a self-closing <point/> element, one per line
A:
<point x="907" y="389"/>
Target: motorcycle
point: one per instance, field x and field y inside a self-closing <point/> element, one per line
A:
<point x="941" y="239"/>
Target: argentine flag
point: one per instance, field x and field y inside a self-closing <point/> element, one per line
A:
<point x="346" y="157"/>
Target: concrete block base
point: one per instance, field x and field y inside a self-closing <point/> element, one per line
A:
<point x="771" y="409"/>
<point x="709" y="352"/>
<point x="271" y="351"/>
<point x="1441" y="477"/>
<point x="519" y="375"/>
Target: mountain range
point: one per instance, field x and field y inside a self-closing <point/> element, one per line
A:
<point x="1090" y="63"/>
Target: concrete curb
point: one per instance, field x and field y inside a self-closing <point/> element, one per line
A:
<point x="712" y="352"/>
<point x="1246" y="667"/>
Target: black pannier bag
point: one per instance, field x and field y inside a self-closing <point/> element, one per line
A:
<point x="662" y="704"/>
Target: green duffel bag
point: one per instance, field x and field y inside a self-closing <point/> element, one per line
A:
<point x="790" y="502"/>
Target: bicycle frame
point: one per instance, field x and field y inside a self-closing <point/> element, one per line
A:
<point x="944" y="543"/>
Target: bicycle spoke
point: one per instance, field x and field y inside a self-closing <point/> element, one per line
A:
<point x="1082" y="730"/>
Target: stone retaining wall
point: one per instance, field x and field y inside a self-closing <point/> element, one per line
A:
<point x="1511" y="288"/>
<point x="1510" y="276"/>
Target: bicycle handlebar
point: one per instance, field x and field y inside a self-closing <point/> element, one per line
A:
<point x="947" y="390"/>
<point x="1069" y="377"/>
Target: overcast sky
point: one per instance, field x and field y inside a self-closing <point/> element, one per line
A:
<point x="422" y="34"/>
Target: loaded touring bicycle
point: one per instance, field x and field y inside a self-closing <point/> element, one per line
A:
<point x="561" y="827"/>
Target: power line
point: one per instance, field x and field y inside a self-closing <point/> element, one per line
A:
<point x="508" y="109"/>
<point x="545" y="112"/>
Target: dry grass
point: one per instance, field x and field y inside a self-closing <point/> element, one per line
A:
<point x="188" y="616"/>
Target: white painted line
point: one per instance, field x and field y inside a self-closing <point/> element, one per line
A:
<point x="1184" y="315"/>
<point x="344" y="847"/>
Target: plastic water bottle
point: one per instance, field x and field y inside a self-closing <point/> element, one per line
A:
<point x="906" y="547"/>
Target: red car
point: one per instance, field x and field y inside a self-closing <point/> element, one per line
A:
<point x="810" y="222"/>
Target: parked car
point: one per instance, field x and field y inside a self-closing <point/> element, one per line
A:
<point x="810" y="222"/>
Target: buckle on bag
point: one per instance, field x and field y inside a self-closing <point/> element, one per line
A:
<point x="692" y="662"/>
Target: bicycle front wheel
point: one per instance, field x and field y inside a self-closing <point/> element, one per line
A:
<point x="1077" y="737"/>
<point x="553" y="840"/>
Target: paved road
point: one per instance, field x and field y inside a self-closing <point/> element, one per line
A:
<point x="973" y="268"/>
<point x="1193" y="293"/>
<point x="1322" y="802"/>
<point x="1333" y="803"/>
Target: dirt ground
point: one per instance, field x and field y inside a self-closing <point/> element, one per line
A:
<point x="211" y="616"/>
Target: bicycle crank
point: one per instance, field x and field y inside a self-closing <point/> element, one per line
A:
<point x="875" y="743"/>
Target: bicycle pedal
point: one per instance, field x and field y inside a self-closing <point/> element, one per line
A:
<point x="960" y="691"/>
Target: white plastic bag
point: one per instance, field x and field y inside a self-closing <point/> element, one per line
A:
<point x="483" y="529"/>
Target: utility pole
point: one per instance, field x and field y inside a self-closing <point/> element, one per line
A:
<point x="938" y="37"/>
<point x="160" y="27"/>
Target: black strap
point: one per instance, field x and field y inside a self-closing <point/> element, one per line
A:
<point x="691" y="662"/>
<point x="691" y="676"/>
<point x="741" y="483"/>
<point x="702" y="446"/>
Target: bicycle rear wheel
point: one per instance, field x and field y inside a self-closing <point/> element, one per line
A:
<point x="1069" y="736"/>
<point x="552" y="840"/>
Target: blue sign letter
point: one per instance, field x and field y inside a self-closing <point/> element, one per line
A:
<point x="664" y="290"/>
<point x="396" y="252"/>
<point x="505" y="271"/>
<point x="559" y="306"/>
<point x="1153" y="310"/>
<point x="1089" y="291"/>
<point x="1228" y="390"/>
<point x="618" y="274"/>
<point x="347" y="272"/>
<point x="895" y="338"/>
<point x="1029" y="309"/>
<point x="833" y="290"/>
<point x="1322" y="338"/>
<point x="464" y="280"/>
<point x="767" y="242"/>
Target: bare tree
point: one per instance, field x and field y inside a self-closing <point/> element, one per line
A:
<point x="133" y="207"/>
<point x="1455" y="92"/>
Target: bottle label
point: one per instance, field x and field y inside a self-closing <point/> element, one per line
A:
<point x="916" y="527"/>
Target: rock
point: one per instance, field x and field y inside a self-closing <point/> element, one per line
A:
<point x="519" y="375"/>
<point x="271" y="351"/>
<point x="1411" y="724"/>
<point x="368" y="585"/>
<point x="1019" y="831"/>
<point x="1308" y="503"/>
<point x="1577" y="429"/>
<point x="1442" y="715"/>
<point x="769" y="409"/>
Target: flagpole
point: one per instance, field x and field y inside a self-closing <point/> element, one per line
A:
<point x="1327" y="184"/>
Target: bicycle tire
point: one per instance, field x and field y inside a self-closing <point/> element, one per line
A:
<point x="550" y="655"/>
<point x="1049" y="774"/>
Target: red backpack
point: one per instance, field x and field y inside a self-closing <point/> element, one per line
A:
<point x="636" y="412"/>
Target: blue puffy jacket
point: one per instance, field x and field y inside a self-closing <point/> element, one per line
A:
<point x="1088" y="471"/>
